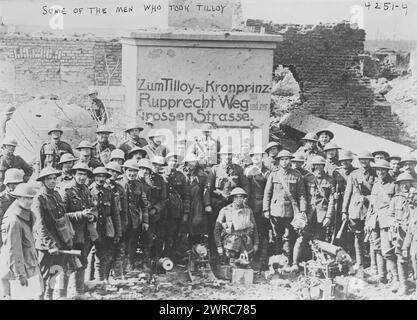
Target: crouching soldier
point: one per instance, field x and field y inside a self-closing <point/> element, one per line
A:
<point x="82" y="213"/>
<point x="18" y="258"/>
<point x="109" y="226"/>
<point x="400" y="210"/>
<point x="235" y="229"/>
<point x="52" y="230"/>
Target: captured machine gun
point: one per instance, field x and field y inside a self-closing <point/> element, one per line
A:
<point x="199" y="263"/>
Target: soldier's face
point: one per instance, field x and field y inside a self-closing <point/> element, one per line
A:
<point x="50" y="181"/>
<point x="66" y="166"/>
<point x="409" y="167"/>
<point x="157" y="140"/>
<point x="364" y="162"/>
<point x="330" y="154"/>
<point x="309" y="144"/>
<point x="11" y="186"/>
<point x="257" y="158"/>
<point x="191" y="164"/>
<point x="379" y="156"/>
<point x="318" y="167"/>
<point x="134" y="133"/>
<point x="296" y="165"/>
<point x="9" y="149"/>
<point x="131" y="174"/>
<point x="137" y="156"/>
<point x="172" y="162"/>
<point x="85" y="152"/>
<point x="100" y="179"/>
<point x="395" y="165"/>
<point x="103" y="137"/>
<point x="25" y="202"/>
<point x="119" y="161"/>
<point x="114" y="174"/>
<point x="405" y="186"/>
<point x="157" y="167"/>
<point x="239" y="199"/>
<point x="284" y="162"/>
<point x="346" y="163"/>
<point x="381" y="173"/>
<point x="80" y="177"/>
<point x="226" y="158"/>
<point x="93" y="96"/>
<point x="143" y="172"/>
<point x="324" y="138"/>
<point x="273" y="151"/>
<point x="56" y="135"/>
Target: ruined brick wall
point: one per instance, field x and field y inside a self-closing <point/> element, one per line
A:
<point x="36" y="66"/>
<point x="324" y="59"/>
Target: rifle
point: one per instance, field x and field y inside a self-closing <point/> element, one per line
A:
<point x="340" y="232"/>
<point x="336" y="219"/>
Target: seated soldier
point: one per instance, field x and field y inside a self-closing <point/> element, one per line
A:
<point x="235" y="229"/>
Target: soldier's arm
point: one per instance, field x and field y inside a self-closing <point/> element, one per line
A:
<point x="144" y="204"/>
<point x="330" y="208"/>
<point x="185" y="194"/>
<point x="255" y="230"/>
<point x="218" y="228"/>
<point x="207" y="189"/>
<point x="75" y="215"/>
<point x="348" y="194"/>
<point x="15" y="249"/>
<point x="26" y="168"/>
<point x="163" y="198"/>
<point x="268" y="194"/>
<point x="39" y="228"/>
<point x="115" y="215"/>
<point x="243" y="180"/>
<point x="301" y="192"/>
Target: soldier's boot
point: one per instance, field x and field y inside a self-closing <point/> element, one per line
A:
<point x="79" y="282"/>
<point x="359" y="250"/>
<point x="392" y="268"/>
<point x="64" y="285"/>
<point x="374" y="267"/>
<point x="382" y="269"/>
<point x="403" y="275"/>
<point x="49" y="294"/>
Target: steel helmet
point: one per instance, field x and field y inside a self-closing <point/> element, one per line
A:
<point x="284" y="153"/>
<point x="256" y="150"/>
<point x="24" y="190"/>
<point x="92" y="91"/>
<point x="13" y="175"/>
<point x="135" y="150"/>
<point x="331" y="146"/>
<point x="145" y="163"/>
<point x="381" y="164"/>
<point x="394" y="157"/>
<point x="131" y="164"/>
<point x="409" y="158"/>
<point x="405" y="176"/>
<point x="329" y="133"/>
<point x="67" y="157"/>
<point x="155" y="133"/>
<point x="117" y="154"/>
<point x="311" y="136"/>
<point x="114" y="167"/>
<point x="84" y="145"/>
<point x="237" y="191"/>
<point x="386" y="154"/>
<point x="158" y="160"/>
<point x="298" y="157"/>
<point x="48" y="171"/>
<point x="345" y="155"/>
<point x="103" y="129"/>
<point x="133" y="126"/>
<point x="272" y="144"/>
<point x="82" y="167"/>
<point x="318" y="160"/>
<point x="55" y="127"/>
<point x="101" y="170"/>
<point x="365" y="155"/>
<point x="8" y="141"/>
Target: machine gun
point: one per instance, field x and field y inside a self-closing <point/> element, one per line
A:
<point x="199" y="263"/>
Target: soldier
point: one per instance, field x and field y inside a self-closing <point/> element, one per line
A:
<point x="271" y="150"/>
<point x="235" y="229"/>
<point x="121" y="202"/>
<point x="134" y="139"/>
<point x="59" y="147"/>
<point x="102" y="147"/>
<point x="380" y="155"/>
<point x="155" y="188"/>
<point x="330" y="152"/>
<point x="49" y="156"/>
<point x="12" y="178"/>
<point x="309" y="149"/>
<point x="155" y="146"/>
<point x="66" y="163"/>
<point x="408" y="164"/>
<point x="394" y="162"/>
<point x="297" y="163"/>
<point x="257" y="174"/>
<point x="78" y="201"/>
<point x="97" y="109"/>
<point x="356" y="202"/>
<point x="109" y="226"/>
<point x="340" y="176"/>
<point x="86" y="155"/>
<point x="52" y="230"/>
<point x="207" y="149"/>
<point x="378" y="223"/>
<point x="399" y="209"/>
<point x="18" y="258"/>
<point x="225" y="177"/>
<point x="324" y="137"/>
<point x="158" y="164"/>
<point x="177" y="205"/>
<point x="198" y="181"/>
<point x="117" y="156"/>
<point x="137" y="153"/>
<point x="137" y="211"/>
<point x="9" y="160"/>
<point x="285" y="195"/>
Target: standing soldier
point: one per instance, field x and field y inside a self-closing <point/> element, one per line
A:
<point x="297" y="163"/>
<point x="12" y="178"/>
<point x="356" y="202"/>
<point x="408" y="164"/>
<point x="225" y="177"/>
<point x="400" y="209"/>
<point x="60" y="147"/>
<point x="9" y="160"/>
<point x="52" y="230"/>
<point x="177" y="206"/>
<point x="66" y="162"/>
<point x="109" y="226"/>
<point x="207" y="149"/>
<point x="285" y="196"/>
<point x="331" y="154"/>
<point x="78" y="201"/>
<point x="121" y="202"/>
<point x="380" y="155"/>
<point x="271" y="150"/>
<point x="97" y="109"/>
<point x="103" y="147"/>
<point x="324" y="137"/>
<point x="155" y="188"/>
<point x="86" y="155"/>
<point x="394" y="162"/>
<point x="134" y="139"/>
<point x="137" y="153"/>
<point x="199" y="190"/>
<point x="117" y="156"/>
<point x="309" y="149"/>
<point x="155" y="146"/>
<point x="137" y="211"/>
<point x="378" y="223"/>
<point x="257" y="174"/>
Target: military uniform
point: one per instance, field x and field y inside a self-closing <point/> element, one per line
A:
<point x="64" y="180"/>
<point x="257" y="180"/>
<point x="178" y="205"/>
<point x="59" y="149"/>
<point x="98" y="111"/>
<point x="270" y="163"/>
<point x="206" y="149"/>
<point x="331" y="166"/>
<point x="355" y="205"/>
<point x="6" y="199"/>
<point x="77" y="198"/>
<point x="308" y="155"/>
<point x="129" y="144"/>
<point x="152" y="152"/>
<point x="236" y="230"/>
<point x="137" y="214"/>
<point x="14" y="161"/>
<point x="109" y="226"/>
<point x="410" y="240"/>
<point x="102" y="151"/>
<point x="92" y="164"/>
<point x="280" y="204"/>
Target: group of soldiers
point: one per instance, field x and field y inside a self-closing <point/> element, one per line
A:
<point x="125" y="208"/>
